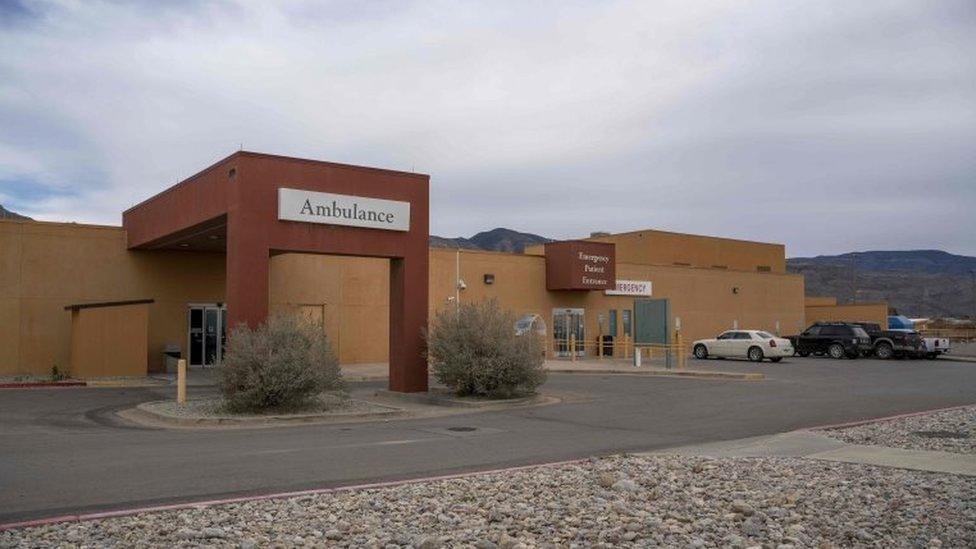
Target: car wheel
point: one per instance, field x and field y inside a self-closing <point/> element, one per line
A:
<point x="803" y="353"/>
<point x="755" y="354"/>
<point x="836" y="351"/>
<point x="777" y="359"/>
<point x="884" y="351"/>
<point x="701" y="352"/>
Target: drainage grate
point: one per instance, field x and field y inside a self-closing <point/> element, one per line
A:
<point x="462" y="429"/>
<point x="941" y="434"/>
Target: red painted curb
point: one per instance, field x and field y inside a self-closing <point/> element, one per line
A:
<point x="42" y="384"/>
<point x="883" y="418"/>
<point x="265" y="497"/>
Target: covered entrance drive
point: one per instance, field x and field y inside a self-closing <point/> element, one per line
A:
<point x="252" y="206"/>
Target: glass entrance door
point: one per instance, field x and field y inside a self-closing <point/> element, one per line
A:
<point x="567" y="323"/>
<point x="207" y="334"/>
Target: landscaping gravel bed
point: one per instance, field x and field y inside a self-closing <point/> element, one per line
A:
<point x="619" y="501"/>
<point x="946" y="431"/>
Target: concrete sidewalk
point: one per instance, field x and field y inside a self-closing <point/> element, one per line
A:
<point x="649" y="367"/>
<point x="812" y="445"/>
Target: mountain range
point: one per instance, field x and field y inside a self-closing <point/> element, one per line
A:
<point x="496" y="240"/>
<point x="7" y="214"/>
<point x="916" y="283"/>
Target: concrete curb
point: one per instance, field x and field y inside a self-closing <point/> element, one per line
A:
<point x="835" y="426"/>
<point x="141" y="414"/>
<point x="42" y="384"/>
<point x="448" y="400"/>
<point x="695" y="374"/>
<point x="953" y="358"/>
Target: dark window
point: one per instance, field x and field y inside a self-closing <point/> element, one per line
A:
<point x="764" y="268"/>
<point x="726" y="335"/>
<point x="836" y="331"/>
<point x="743" y="335"/>
<point x="612" y="323"/>
<point x="813" y="331"/>
<point x="625" y="318"/>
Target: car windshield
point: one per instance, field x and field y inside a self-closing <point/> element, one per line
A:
<point x="765" y="335"/>
<point x="859" y="332"/>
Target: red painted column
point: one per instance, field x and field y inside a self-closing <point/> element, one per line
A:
<point x="408" y="319"/>
<point x="247" y="272"/>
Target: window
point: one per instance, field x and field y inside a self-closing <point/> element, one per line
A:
<point x="612" y="323"/>
<point x="743" y="335"/>
<point x="813" y="331"/>
<point x="764" y="268"/>
<point x="625" y="317"/>
<point x="764" y="335"/>
<point x="835" y="331"/>
<point x="726" y="335"/>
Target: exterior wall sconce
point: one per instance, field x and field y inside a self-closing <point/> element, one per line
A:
<point x="735" y="289"/>
<point x="489" y="278"/>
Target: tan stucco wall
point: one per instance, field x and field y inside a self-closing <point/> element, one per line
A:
<point x="350" y="294"/>
<point x="820" y="301"/>
<point x="665" y="248"/>
<point x="46" y="266"/>
<point x="110" y="341"/>
<point x="860" y="312"/>
<point x="702" y="298"/>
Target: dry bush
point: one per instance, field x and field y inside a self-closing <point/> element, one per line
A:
<point x="280" y="366"/>
<point x="473" y="350"/>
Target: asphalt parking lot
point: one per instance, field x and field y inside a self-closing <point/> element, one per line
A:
<point x="64" y="450"/>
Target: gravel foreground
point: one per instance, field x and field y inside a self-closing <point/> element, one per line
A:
<point x="946" y="431"/>
<point x="663" y="501"/>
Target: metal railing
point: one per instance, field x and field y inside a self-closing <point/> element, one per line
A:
<point x="572" y="349"/>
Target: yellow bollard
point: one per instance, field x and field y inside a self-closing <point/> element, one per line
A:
<point x="599" y="346"/>
<point x="680" y="350"/>
<point x="626" y="345"/>
<point x="181" y="382"/>
<point x="572" y="347"/>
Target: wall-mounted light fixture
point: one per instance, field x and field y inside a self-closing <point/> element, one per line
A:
<point x="735" y="289"/>
<point x="489" y="278"/>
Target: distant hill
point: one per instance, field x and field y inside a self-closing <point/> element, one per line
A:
<point x="917" y="283"/>
<point x="496" y="240"/>
<point x="7" y="214"/>
<point x="925" y="261"/>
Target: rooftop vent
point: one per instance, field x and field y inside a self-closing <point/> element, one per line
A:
<point x="595" y="234"/>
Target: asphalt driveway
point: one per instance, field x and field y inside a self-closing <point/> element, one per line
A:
<point x="64" y="450"/>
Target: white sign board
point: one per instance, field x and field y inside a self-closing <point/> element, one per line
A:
<point x="343" y="209"/>
<point x="631" y="287"/>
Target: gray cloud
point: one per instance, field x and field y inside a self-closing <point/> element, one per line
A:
<point x="824" y="125"/>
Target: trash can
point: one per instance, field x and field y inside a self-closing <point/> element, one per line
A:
<point x="607" y="344"/>
<point x="171" y="354"/>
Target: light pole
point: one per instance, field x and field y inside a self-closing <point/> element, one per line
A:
<point x="972" y="276"/>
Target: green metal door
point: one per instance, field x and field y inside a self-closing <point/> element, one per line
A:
<point x="651" y="321"/>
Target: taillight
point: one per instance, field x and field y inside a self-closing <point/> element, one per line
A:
<point x="772" y="342"/>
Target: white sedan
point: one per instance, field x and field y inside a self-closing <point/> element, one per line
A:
<point x="752" y="344"/>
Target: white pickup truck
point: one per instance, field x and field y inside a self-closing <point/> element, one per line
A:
<point x="935" y="346"/>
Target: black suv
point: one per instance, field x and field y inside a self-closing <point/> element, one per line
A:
<point x="835" y="339"/>
<point x="893" y="343"/>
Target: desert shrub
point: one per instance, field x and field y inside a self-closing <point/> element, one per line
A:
<point x="281" y="365"/>
<point x="473" y="350"/>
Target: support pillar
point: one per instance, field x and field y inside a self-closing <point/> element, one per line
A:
<point x="408" y="319"/>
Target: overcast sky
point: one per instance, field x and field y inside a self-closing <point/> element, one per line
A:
<point x="827" y="126"/>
